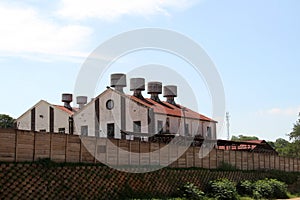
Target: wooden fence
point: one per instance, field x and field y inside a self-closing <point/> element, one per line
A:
<point x="18" y="146"/>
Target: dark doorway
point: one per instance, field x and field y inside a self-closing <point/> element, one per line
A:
<point x="137" y="126"/>
<point x="111" y="130"/>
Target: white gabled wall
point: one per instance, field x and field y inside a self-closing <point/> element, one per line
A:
<point x="136" y="112"/>
<point x="42" y="118"/>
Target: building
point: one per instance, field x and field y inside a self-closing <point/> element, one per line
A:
<point x="46" y="117"/>
<point x="114" y="114"/>
<point x="258" y="146"/>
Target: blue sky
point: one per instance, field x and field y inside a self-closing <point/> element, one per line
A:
<point x="254" y="45"/>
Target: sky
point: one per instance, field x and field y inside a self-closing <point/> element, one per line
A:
<point x="254" y="45"/>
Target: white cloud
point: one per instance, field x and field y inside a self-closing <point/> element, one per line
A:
<point x="291" y="111"/>
<point x="23" y="30"/>
<point x="113" y="9"/>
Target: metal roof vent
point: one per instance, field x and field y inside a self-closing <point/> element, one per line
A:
<point x="155" y="88"/>
<point x="81" y="101"/>
<point x="137" y="85"/>
<point x="67" y="99"/>
<point x="170" y="91"/>
<point x="118" y="81"/>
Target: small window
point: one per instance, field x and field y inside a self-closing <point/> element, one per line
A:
<point x="137" y="126"/>
<point x="84" y="130"/>
<point x="159" y="126"/>
<point x="209" y="132"/>
<point x="43" y="130"/>
<point x="187" y="130"/>
<point x="61" y="130"/>
<point x="168" y="125"/>
<point x="110" y="130"/>
<point x="110" y="104"/>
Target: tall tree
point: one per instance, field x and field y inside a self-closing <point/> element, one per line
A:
<point x="295" y="134"/>
<point x="6" y="121"/>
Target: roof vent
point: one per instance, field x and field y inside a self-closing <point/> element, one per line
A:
<point x="67" y="99"/>
<point x="118" y="81"/>
<point x="81" y="101"/>
<point x="137" y="85"/>
<point x="170" y="91"/>
<point x="155" y="88"/>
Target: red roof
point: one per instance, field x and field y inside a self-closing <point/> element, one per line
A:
<point x="171" y="110"/>
<point x="66" y="109"/>
<point x="245" y="145"/>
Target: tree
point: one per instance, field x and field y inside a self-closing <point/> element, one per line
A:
<point x="283" y="147"/>
<point x="295" y="134"/>
<point x="6" y="121"/>
<point x="243" y="138"/>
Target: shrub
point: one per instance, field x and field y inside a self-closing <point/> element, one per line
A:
<point x="279" y="189"/>
<point x="222" y="189"/>
<point x="262" y="189"/>
<point x="245" y="188"/>
<point x="190" y="191"/>
<point x="270" y="188"/>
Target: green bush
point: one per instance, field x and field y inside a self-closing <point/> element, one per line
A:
<point x="269" y="188"/>
<point x="245" y="188"/>
<point x="222" y="189"/>
<point x="279" y="189"/>
<point x="190" y="191"/>
<point x="262" y="189"/>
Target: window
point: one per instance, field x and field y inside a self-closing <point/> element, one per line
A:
<point x="137" y="126"/>
<point x="111" y="130"/>
<point x="159" y="126"/>
<point x="209" y="132"/>
<point x="62" y="130"/>
<point x="187" y="130"/>
<point x="110" y="104"/>
<point x="84" y="130"/>
<point x="168" y="125"/>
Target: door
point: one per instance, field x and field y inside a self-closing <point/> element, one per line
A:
<point x="111" y="130"/>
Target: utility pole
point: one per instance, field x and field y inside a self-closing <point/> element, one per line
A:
<point x="228" y="125"/>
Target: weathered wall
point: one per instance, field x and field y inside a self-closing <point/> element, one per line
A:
<point x="16" y="145"/>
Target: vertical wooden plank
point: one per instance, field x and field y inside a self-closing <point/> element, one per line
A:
<point x="16" y="146"/>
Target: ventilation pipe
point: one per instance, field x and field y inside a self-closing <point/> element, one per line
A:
<point x="137" y="85"/>
<point x="81" y="101"/>
<point x="118" y="81"/>
<point x="67" y="99"/>
<point x="170" y="92"/>
<point x="155" y="88"/>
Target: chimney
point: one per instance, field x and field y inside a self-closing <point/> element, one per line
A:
<point x="155" y="88"/>
<point x="118" y="81"/>
<point x="81" y="101"/>
<point x="67" y="99"/>
<point x="137" y="85"/>
<point x="170" y="92"/>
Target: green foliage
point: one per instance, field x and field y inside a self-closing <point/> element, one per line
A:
<point x="190" y="191"/>
<point x="243" y="138"/>
<point x="222" y="189"/>
<point x="224" y="166"/>
<point x="262" y="189"/>
<point x="279" y="189"/>
<point x="6" y="121"/>
<point x="245" y="188"/>
<point x="269" y="188"/>
<point x="295" y="134"/>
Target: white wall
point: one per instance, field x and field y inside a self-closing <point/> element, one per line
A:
<point x="42" y="121"/>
